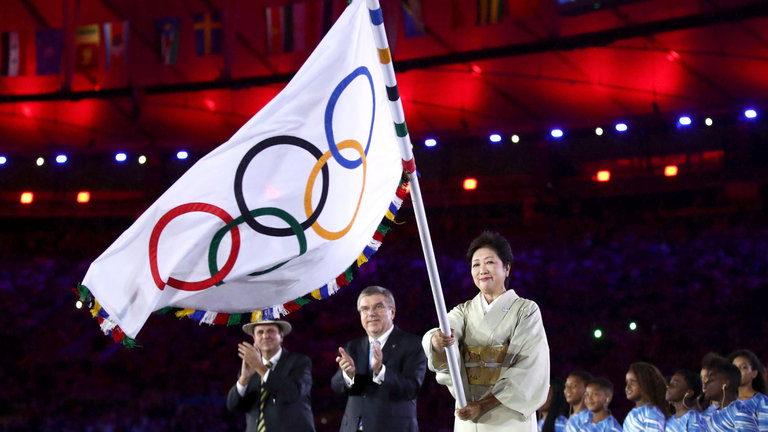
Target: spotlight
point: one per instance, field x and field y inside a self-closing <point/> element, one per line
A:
<point x="470" y="183"/>
<point x="599" y="131"/>
<point x="40" y="161"/>
<point x="515" y="139"/>
<point x="79" y="304"/>
<point x="495" y="138"/>
<point x="27" y="197"/>
<point x="556" y="133"/>
<point x="684" y="121"/>
<point x="182" y="155"/>
<point x="597" y="333"/>
<point x="83" y="197"/>
<point x="603" y="176"/>
<point x="3" y="160"/>
<point x="670" y="170"/>
<point x="60" y="159"/>
<point x="430" y="142"/>
<point x="621" y="127"/>
<point x="121" y="157"/>
<point x="142" y="160"/>
<point x="750" y="113"/>
<point x="708" y="121"/>
<point x="633" y="326"/>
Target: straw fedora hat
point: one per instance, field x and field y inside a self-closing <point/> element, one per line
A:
<point x="285" y="326"/>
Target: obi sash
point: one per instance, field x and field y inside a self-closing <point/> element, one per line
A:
<point x="483" y="363"/>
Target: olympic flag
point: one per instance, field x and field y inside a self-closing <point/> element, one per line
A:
<point x="276" y="216"/>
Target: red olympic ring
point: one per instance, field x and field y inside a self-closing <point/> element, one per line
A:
<point x="155" y="238"/>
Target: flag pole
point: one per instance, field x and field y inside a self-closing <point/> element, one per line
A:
<point x="409" y="164"/>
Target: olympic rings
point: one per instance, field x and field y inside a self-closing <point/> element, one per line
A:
<point x="322" y="232"/>
<point x="240" y="199"/>
<point x="216" y="277"/>
<point x="330" y="108"/>
<point x="266" y="211"/>
<point x="249" y="216"/>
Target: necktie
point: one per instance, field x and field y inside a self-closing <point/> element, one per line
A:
<point x="261" y="427"/>
<point x="370" y="354"/>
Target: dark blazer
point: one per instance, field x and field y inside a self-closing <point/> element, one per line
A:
<point x="390" y="406"/>
<point x="288" y="407"/>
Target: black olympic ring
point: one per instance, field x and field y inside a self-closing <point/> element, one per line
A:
<point x="238" y="189"/>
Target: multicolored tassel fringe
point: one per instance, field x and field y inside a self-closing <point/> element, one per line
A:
<point x="111" y="329"/>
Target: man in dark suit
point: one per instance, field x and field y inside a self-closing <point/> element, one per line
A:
<point x="274" y="384"/>
<point x="380" y="373"/>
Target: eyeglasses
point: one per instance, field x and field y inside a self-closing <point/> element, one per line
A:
<point x="365" y="310"/>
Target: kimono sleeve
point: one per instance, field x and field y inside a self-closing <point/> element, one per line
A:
<point x="523" y="386"/>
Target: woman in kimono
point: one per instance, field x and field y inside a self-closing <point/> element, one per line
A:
<point x="504" y="356"/>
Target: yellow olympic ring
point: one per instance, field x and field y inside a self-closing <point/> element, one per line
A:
<point x="322" y="232"/>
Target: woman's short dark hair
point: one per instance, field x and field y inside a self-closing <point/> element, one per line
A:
<point x="491" y="240"/>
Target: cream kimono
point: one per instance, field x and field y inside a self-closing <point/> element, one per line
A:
<point x="504" y="352"/>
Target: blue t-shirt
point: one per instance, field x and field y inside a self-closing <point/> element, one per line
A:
<point x="608" y="424"/>
<point x="559" y="423"/>
<point x="576" y="421"/>
<point x="707" y="413"/>
<point x="644" y="418"/>
<point x="692" y="421"/>
<point x="734" y="417"/>
<point x="758" y="405"/>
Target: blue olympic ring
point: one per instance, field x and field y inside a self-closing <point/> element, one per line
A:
<point x="330" y="108"/>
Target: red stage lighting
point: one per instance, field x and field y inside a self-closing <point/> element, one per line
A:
<point x="210" y="104"/>
<point x="603" y="176"/>
<point x="27" y="197"/>
<point x="470" y="183"/>
<point x="670" y="170"/>
<point x="83" y="197"/>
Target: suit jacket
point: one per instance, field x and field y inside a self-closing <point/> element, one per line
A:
<point x="391" y="405"/>
<point x="288" y="407"/>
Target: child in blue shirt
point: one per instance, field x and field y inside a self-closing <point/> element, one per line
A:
<point x="723" y="386"/>
<point x="646" y="387"/>
<point x="683" y="393"/>
<point x="597" y="398"/>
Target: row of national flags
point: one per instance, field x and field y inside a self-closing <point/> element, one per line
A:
<point x="295" y="27"/>
<point x="49" y="47"/>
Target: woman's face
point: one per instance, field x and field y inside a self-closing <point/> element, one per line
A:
<point x="677" y="389"/>
<point x="488" y="271"/>
<point x="745" y="367"/>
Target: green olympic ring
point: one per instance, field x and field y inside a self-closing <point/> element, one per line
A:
<point x="265" y="211"/>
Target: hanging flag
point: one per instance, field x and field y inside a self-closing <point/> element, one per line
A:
<point x="457" y="14"/>
<point x="167" y="33"/>
<point x="490" y="11"/>
<point x="279" y="29"/>
<point x="48" y="51"/>
<point x="87" y="48"/>
<point x="115" y="43"/>
<point x="281" y="214"/>
<point x="308" y="24"/>
<point x="208" y="33"/>
<point x="520" y="9"/>
<point x="413" y="22"/>
<point x="331" y="11"/>
<point x="12" y="64"/>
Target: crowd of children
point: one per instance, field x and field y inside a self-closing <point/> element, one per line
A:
<point x="729" y="394"/>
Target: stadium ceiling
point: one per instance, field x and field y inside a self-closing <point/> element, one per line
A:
<point x="535" y="69"/>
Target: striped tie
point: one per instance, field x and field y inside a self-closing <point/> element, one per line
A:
<point x="263" y="402"/>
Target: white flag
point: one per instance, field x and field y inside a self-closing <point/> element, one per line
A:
<point x="277" y="213"/>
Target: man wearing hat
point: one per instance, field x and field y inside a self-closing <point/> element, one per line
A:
<point x="273" y="385"/>
<point x="380" y="373"/>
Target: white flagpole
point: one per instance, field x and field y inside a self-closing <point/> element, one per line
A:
<point x="404" y="141"/>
